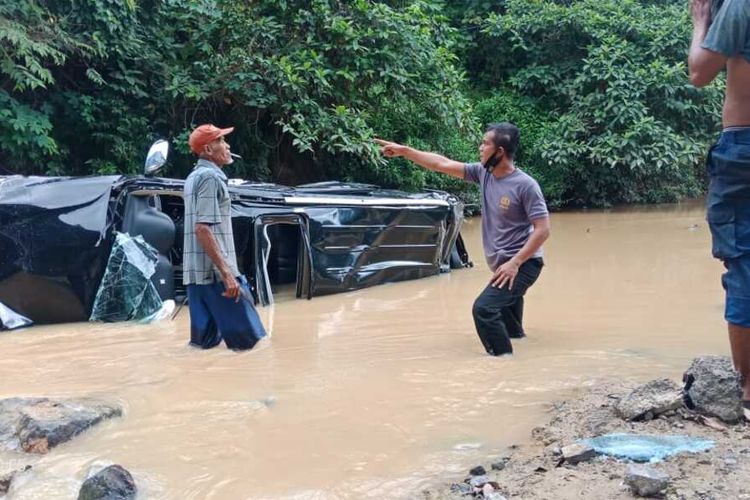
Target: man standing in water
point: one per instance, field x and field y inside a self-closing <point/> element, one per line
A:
<point x="721" y="39"/>
<point x="515" y="224"/>
<point x="214" y="284"/>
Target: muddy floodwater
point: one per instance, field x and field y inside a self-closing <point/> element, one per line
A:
<point x="382" y="392"/>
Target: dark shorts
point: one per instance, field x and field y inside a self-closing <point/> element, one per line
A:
<point x="214" y="317"/>
<point x="728" y="215"/>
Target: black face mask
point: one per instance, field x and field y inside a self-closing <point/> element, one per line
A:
<point x="492" y="162"/>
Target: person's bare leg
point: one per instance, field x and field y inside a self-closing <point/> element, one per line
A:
<point x="739" y="340"/>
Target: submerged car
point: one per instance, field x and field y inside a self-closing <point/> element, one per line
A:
<point x="56" y="234"/>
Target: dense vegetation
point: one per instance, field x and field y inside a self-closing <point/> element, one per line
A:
<point x="598" y="87"/>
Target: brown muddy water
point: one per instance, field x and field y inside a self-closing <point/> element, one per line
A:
<point x="381" y="392"/>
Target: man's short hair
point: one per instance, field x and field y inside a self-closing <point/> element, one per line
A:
<point x="505" y="135"/>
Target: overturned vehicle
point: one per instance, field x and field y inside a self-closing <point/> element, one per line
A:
<point x="57" y="233"/>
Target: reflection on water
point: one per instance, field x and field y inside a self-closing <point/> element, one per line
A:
<point x="382" y="391"/>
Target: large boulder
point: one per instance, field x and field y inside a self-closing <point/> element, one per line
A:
<point x="645" y="481"/>
<point x="712" y="387"/>
<point x="654" y="398"/>
<point x="112" y="483"/>
<point x="36" y="425"/>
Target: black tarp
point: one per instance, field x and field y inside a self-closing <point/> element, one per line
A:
<point x="54" y="243"/>
<point x="356" y="247"/>
<point x="56" y="235"/>
<point x="357" y="235"/>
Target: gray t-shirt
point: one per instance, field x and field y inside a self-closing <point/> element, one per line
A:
<point x="207" y="202"/>
<point x="509" y="204"/>
<point x="729" y="33"/>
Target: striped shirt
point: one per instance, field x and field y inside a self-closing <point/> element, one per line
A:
<point x="207" y="202"/>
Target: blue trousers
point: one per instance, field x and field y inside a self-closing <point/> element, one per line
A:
<point x="728" y="217"/>
<point x="214" y="317"/>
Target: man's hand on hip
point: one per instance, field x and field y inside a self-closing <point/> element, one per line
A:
<point x="506" y="273"/>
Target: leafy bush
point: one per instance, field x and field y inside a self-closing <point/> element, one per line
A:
<point x="536" y="126"/>
<point x="630" y="127"/>
<point x="72" y="91"/>
<point x="303" y="82"/>
<point x="598" y="87"/>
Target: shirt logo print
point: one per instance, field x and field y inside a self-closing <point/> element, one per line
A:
<point x="505" y="202"/>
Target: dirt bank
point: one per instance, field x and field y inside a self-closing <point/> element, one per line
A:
<point x="535" y="469"/>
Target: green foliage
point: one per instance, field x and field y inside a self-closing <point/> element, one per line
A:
<point x="536" y="126"/>
<point x="598" y="88"/>
<point x="324" y="72"/>
<point x="70" y="89"/>
<point x="630" y="127"/>
<point x="27" y="45"/>
<point x="303" y="82"/>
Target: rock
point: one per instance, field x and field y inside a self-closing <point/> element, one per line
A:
<point x="493" y="495"/>
<point x="650" y="400"/>
<point x="576" y="453"/>
<point x="544" y="435"/>
<point x="112" y="483"/>
<point x="554" y="450"/>
<point x="712" y="387"/>
<point x="478" y="471"/>
<point x="645" y="481"/>
<point x="682" y="494"/>
<point x="478" y="481"/>
<point x="500" y="463"/>
<point x="712" y="423"/>
<point x="36" y="425"/>
<point x="462" y="489"/>
<point x="489" y="490"/>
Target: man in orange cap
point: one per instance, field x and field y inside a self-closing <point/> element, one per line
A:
<point x="214" y="283"/>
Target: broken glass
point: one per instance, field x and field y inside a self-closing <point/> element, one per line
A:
<point x="10" y="319"/>
<point x="647" y="448"/>
<point x="126" y="292"/>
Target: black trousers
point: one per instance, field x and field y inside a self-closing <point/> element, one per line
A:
<point x="498" y="312"/>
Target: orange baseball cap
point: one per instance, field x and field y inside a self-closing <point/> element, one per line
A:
<point x="206" y="134"/>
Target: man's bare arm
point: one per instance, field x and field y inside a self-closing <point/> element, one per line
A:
<point x="206" y="239"/>
<point x="430" y="161"/>
<point x="534" y="243"/>
<point x="703" y="64"/>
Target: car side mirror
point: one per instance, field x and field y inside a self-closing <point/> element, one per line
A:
<point x="157" y="157"/>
